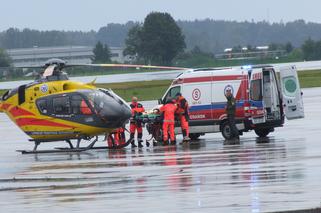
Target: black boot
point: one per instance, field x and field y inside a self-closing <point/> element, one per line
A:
<point x="140" y="136"/>
<point x="173" y="143"/>
<point x="165" y="143"/>
<point x="132" y="140"/>
<point x="184" y="133"/>
<point x="133" y="144"/>
<point x="147" y="144"/>
<point x="140" y="140"/>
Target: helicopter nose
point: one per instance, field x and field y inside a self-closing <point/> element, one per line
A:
<point x="116" y="115"/>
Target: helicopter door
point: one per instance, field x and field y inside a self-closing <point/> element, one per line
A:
<point x="291" y="93"/>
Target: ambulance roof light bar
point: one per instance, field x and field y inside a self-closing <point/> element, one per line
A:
<point x="211" y="69"/>
<point x="250" y="67"/>
<point x="247" y="67"/>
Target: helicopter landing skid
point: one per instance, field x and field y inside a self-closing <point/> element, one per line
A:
<point x="68" y="150"/>
<point x="71" y="148"/>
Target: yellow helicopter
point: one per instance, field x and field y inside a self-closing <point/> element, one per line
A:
<point x="54" y="108"/>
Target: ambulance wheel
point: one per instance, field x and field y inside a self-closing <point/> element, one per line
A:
<point x="262" y="132"/>
<point x="194" y="136"/>
<point x="226" y="130"/>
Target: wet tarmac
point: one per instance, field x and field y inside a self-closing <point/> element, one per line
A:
<point x="281" y="172"/>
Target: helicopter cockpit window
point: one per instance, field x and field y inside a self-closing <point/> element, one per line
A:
<point x="75" y="104"/>
<point x="43" y="106"/>
<point x="61" y="105"/>
<point x="80" y="106"/>
<point x="98" y="100"/>
<point x="84" y="108"/>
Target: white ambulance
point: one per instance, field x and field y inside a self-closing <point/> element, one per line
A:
<point x="263" y="96"/>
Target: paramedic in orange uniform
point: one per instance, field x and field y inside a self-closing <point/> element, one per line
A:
<point x="137" y="108"/>
<point x="169" y="110"/>
<point x="84" y="108"/>
<point x="182" y="114"/>
<point x="116" y="138"/>
<point x="121" y="136"/>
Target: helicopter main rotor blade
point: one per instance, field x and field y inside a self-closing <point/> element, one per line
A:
<point x="60" y="64"/>
<point x="128" y="66"/>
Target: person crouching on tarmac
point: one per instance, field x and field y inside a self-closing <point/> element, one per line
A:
<point x="137" y="109"/>
<point x="183" y="115"/>
<point x="116" y="138"/>
<point x="168" y="111"/>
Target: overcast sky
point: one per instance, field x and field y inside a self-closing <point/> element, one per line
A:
<point x="92" y="14"/>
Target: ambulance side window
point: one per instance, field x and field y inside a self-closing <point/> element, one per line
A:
<point x="172" y="93"/>
<point x="256" y="90"/>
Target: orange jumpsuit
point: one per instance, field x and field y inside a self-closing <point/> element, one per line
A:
<point x="182" y="113"/>
<point x="169" y="121"/>
<point x="84" y="108"/>
<point x="134" y="125"/>
<point x="116" y="138"/>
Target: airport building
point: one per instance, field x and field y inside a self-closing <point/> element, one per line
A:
<point x="259" y="52"/>
<point x="72" y="54"/>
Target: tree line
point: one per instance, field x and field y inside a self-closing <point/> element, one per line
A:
<point x="210" y="35"/>
<point x="161" y="40"/>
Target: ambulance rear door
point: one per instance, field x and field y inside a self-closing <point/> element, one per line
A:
<point x="291" y="93"/>
<point x="257" y="106"/>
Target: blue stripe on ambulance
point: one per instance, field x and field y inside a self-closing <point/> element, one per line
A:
<point x="213" y="106"/>
<point x="258" y="104"/>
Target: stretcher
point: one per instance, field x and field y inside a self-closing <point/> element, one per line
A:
<point x="153" y="123"/>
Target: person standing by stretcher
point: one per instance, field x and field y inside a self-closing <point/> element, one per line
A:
<point x="168" y="111"/>
<point x="183" y="115"/>
<point x="137" y="108"/>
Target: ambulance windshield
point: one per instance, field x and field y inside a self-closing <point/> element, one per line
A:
<point x="172" y="93"/>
